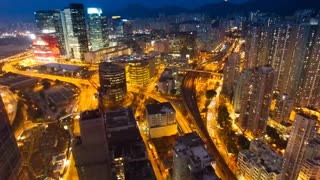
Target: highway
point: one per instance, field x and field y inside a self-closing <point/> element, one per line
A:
<point x="189" y="96"/>
<point x="190" y="101"/>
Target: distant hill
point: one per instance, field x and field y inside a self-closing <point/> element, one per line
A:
<point x="281" y="7"/>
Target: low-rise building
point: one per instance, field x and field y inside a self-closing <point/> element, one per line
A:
<point x="191" y="159"/>
<point x="260" y="162"/>
<point x="161" y="120"/>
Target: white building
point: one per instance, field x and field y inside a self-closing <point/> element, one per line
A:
<point x="161" y="118"/>
<point x="191" y="159"/>
<point x="260" y="162"/>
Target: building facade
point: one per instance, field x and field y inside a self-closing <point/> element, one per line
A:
<point x="10" y="158"/>
<point x="303" y="131"/>
<point x="75" y="31"/>
<point x="255" y="99"/>
<point x="161" y="119"/>
<point x="96" y="38"/>
<point x="260" y="162"/>
<point x="112" y="82"/>
<point x="50" y="22"/>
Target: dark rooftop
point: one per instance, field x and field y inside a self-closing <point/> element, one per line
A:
<point x="190" y="140"/>
<point x="159" y="108"/>
<point x="92" y="114"/>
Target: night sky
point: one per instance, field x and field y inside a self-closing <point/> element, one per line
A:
<point x="23" y="9"/>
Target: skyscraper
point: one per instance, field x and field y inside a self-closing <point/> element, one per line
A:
<point x="112" y="82"/>
<point x="50" y="22"/>
<point x="256" y="96"/>
<point x="303" y="131"/>
<point x="231" y="73"/>
<point x="75" y="31"/>
<point x="96" y="38"/>
<point x="310" y="168"/>
<point x="278" y="51"/>
<point x="10" y="157"/>
<point x="257" y="44"/>
<point x="309" y="89"/>
<point x="283" y="108"/>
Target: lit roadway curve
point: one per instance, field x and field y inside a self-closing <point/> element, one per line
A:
<point x="190" y="102"/>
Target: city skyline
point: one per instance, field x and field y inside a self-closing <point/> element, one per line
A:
<point x="10" y="11"/>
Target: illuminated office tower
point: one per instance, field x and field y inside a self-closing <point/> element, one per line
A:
<point x="50" y="22"/>
<point x="231" y="74"/>
<point x="138" y="72"/>
<point x="96" y="38"/>
<point x="75" y="31"/>
<point x="10" y="158"/>
<point x="255" y="99"/>
<point x="112" y="82"/>
<point x="257" y="44"/>
<point x="239" y="86"/>
<point x="303" y="131"/>
<point x="310" y="168"/>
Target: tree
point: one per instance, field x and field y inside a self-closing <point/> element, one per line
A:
<point x="223" y="117"/>
<point x="210" y="93"/>
<point x="46" y="84"/>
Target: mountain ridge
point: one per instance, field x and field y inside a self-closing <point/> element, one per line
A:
<point x="280" y="7"/>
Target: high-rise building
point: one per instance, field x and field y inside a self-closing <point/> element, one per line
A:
<point x="50" y="22"/>
<point x="191" y="159"/>
<point x="255" y="100"/>
<point x="10" y="158"/>
<point x="112" y="82"/>
<point x="138" y="72"/>
<point x="279" y="51"/>
<point x="90" y="150"/>
<point x="283" y="108"/>
<point x="75" y="31"/>
<point x="231" y="73"/>
<point x="303" y="131"/>
<point x="96" y="37"/>
<point x="257" y="46"/>
<point x="116" y="27"/>
<point x="310" y="168"/>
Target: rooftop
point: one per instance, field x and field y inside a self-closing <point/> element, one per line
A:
<point x="159" y="108"/>
<point x="90" y="114"/>
<point x="120" y="118"/>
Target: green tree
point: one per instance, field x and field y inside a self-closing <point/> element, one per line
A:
<point x="210" y="93"/>
<point x="223" y="118"/>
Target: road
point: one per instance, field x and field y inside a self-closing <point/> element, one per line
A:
<point x="190" y="101"/>
<point x="188" y="90"/>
